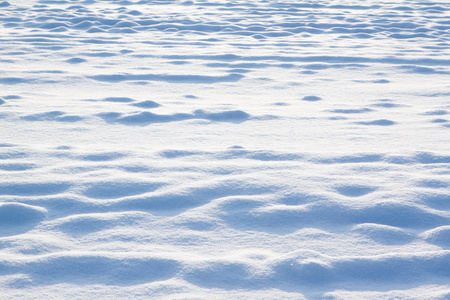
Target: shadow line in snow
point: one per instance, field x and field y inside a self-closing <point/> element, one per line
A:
<point x="339" y="60"/>
<point x="58" y="116"/>
<point x="146" y="118"/>
<point x="205" y="79"/>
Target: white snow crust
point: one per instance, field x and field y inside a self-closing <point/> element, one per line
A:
<point x="210" y="149"/>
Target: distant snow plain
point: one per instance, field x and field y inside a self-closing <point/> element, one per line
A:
<point x="206" y="149"/>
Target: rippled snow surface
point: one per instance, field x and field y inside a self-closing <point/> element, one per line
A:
<point x="206" y="149"/>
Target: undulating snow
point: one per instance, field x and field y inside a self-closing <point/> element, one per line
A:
<point x="206" y="149"/>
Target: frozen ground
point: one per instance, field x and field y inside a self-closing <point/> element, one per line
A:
<point x="224" y="149"/>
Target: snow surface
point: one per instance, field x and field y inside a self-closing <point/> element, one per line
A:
<point x="212" y="149"/>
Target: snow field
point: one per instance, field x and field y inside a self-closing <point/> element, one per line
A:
<point x="224" y="149"/>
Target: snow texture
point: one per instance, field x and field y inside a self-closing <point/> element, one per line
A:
<point x="209" y="149"/>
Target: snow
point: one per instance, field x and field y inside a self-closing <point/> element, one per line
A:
<point x="216" y="149"/>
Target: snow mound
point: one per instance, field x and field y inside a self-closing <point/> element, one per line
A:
<point x="16" y="218"/>
<point x="439" y="236"/>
